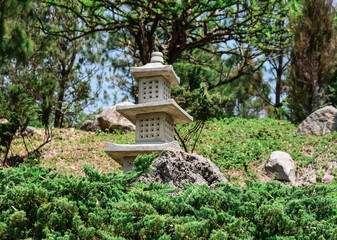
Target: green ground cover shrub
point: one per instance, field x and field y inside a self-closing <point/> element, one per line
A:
<point x="38" y="204"/>
<point x="244" y="145"/>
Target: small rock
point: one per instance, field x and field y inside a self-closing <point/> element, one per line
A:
<point x="282" y="164"/>
<point x="111" y="119"/>
<point x="90" y="126"/>
<point x="3" y="120"/>
<point x="314" y="123"/>
<point x="306" y="180"/>
<point x="327" y="178"/>
<point x="306" y="176"/>
<point x="175" y="167"/>
<point x="29" y="132"/>
<point x="32" y="130"/>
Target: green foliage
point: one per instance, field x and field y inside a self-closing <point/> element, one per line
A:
<point x="57" y="72"/>
<point x="33" y="159"/>
<point x="142" y="162"/>
<point x="245" y="30"/>
<point x="209" y="87"/>
<point x="14" y="42"/>
<point x="244" y="145"/>
<point x="38" y="204"/>
<point x="199" y="102"/>
<point x="331" y="90"/>
<point x="17" y="107"/>
<point x="313" y="58"/>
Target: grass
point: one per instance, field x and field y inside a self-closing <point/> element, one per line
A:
<point x="237" y="145"/>
<point x="240" y="147"/>
<point x="70" y="149"/>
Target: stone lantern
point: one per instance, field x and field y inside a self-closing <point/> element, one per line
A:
<point x="154" y="116"/>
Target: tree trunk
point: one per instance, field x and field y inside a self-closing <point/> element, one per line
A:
<point x="279" y="72"/>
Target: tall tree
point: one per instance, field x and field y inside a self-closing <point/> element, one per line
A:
<point x="313" y="57"/>
<point x="16" y="106"/>
<point x="14" y="42"/>
<point x="72" y="62"/>
<point x="52" y="77"/>
<point x="279" y="62"/>
<point x="239" y="28"/>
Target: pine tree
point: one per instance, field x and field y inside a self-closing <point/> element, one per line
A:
<point x="313" y="57"/>
<point x="17" y="107"/>
<point x="14" y="42"/>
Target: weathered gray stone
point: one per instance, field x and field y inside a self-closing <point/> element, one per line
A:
<point x="111" y="119"/>
<point x="154" y="116"/>
<point x="282" y="164"/>
<point x="120" y="151"/>
<point x="169" y="107"/>
<point x="314" y="123"/>
<point x="90" y="126"/>
<point x="154" y="127"/>
<point x="175" y="167"/>
<point x="155" y="68"/>
<point x="152" y="89"/>
<point x="327" y="178"/>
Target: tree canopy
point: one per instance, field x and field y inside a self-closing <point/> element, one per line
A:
<point x="247" y="29"/>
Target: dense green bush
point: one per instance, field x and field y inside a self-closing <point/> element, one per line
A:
<point x="38" y="204"/>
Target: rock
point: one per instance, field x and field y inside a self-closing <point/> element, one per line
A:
<point x="29" y="132"/>
<point x="3" y="120"/>
<point x="111" y="119"/>
<point x="282" y="164"/>
<point x="327" y="178"/>
<point x="175" y="167"/>
<point x="308" y="176"/>
<point x="313" y="124"/>
<point x="90" y="126"/>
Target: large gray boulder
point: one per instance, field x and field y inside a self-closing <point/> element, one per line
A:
<point x="282" y="164"/>
<point x="175" y="167"/>
<point x="314" y="123"/>
<point x="90" y="126"/>
<point x="111" y="119"/>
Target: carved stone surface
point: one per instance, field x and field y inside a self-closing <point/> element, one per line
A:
<point x="154" y="116"/>
<point x="175" y="167"/>
<point x="168" y="106"/>
<point x="155" y="88"/>
<point x="120" y="151"/>
<point x="155" y="127"/>
<point x="155" y="68"/>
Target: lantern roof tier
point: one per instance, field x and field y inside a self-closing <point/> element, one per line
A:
<point x="119" y="152"/>
<point x="155" y="68"/>
<point x="168" y="106"/>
